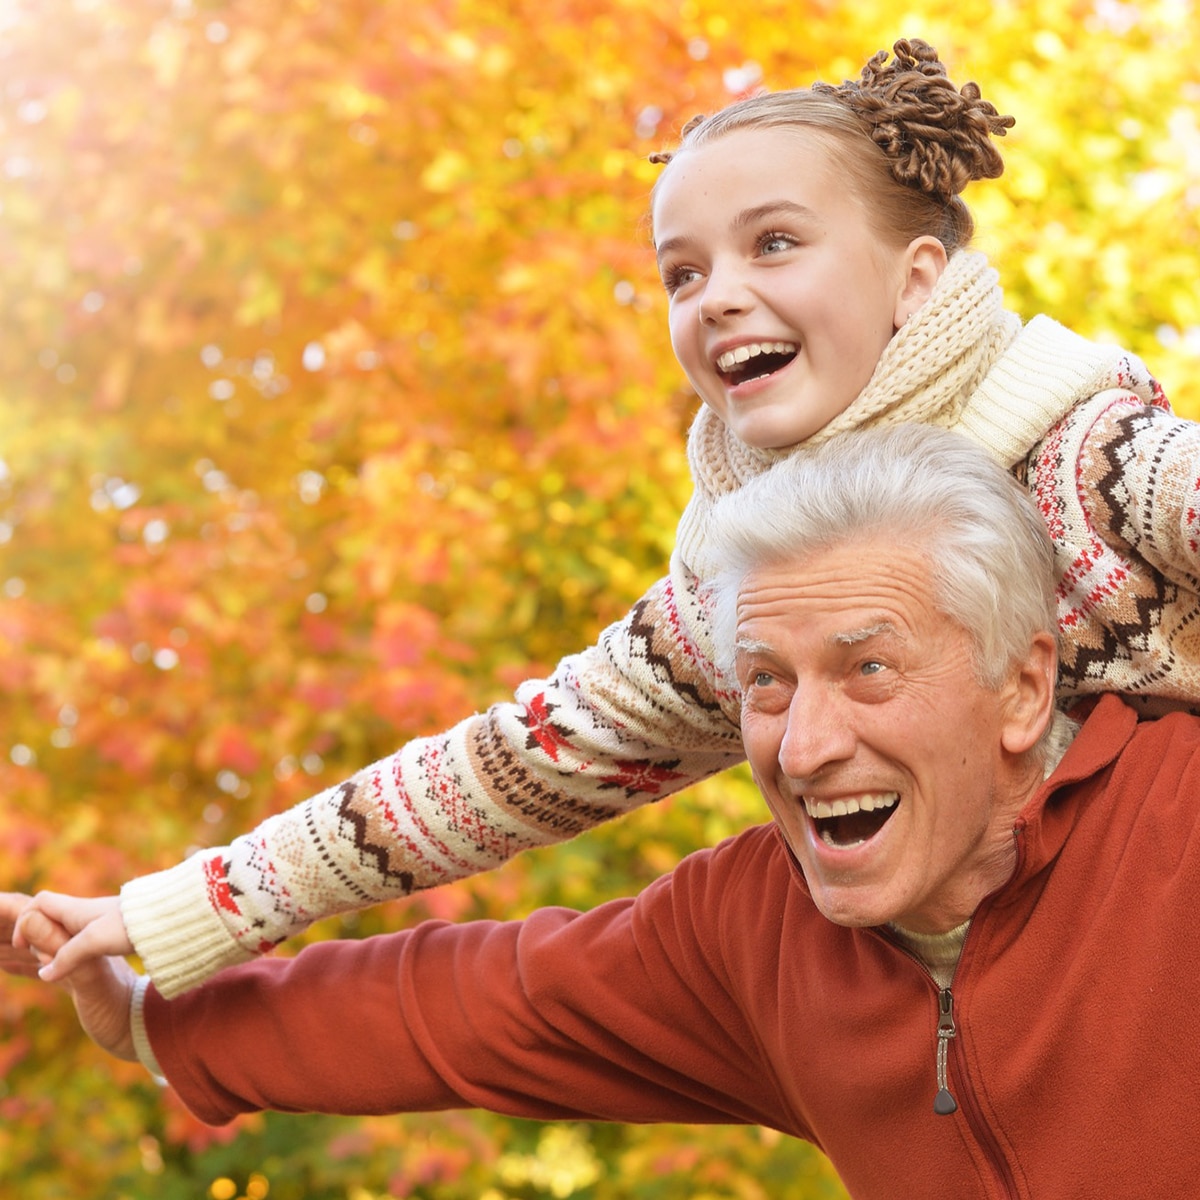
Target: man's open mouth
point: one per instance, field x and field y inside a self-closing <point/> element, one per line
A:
<point x="754" y="360"/>
<point x="850" y="821"/>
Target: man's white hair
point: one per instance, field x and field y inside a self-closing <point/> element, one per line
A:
<point x="991" y="561"/>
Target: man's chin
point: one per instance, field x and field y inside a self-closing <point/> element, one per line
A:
<point x="852" y="911"/>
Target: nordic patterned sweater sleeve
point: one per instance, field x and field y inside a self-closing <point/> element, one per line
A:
<point x="634" y="718"/>
<point x="1118" y="482"/>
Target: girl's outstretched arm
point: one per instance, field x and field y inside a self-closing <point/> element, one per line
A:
<point x="636" y="717"/>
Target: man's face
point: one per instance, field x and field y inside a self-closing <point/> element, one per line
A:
<point x="878" y="751"/>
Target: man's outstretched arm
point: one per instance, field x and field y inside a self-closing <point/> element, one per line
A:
<point x="15" y="959"/>
<point x="101" y="988"/>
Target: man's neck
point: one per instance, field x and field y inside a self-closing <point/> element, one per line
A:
<point x="940" y="951"/>
<point x="937" y="951"/>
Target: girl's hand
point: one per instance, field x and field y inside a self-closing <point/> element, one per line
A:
<point x="88" y="930"/>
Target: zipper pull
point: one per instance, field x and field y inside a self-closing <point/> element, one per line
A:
<point x="944" y="1103"/>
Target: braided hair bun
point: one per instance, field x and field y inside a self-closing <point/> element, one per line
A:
<point x="936" y="137"/>
<point x="909" y="140"/>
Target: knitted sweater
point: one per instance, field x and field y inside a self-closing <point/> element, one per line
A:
<point x="644" y="713"/>
<point x="721" y="994"/>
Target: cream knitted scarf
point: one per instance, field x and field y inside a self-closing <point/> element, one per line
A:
<point x="962" y="362"/>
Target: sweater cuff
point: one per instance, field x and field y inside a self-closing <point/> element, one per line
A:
<point x="137" y="1029"/>
<point x="175" y="930"/>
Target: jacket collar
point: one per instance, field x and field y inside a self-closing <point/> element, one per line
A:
<point x="1045" y="822"/>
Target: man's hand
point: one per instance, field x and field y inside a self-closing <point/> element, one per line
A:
<point x="91" y="930"/>
<point x="101" y="988"/>
<point x="15" y="960"/>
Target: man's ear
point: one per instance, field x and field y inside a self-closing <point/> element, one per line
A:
<point x="1029" y="704"/>
<point x="925" y="260"/>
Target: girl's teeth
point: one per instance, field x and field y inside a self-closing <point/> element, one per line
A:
<point x="741" y="354"/>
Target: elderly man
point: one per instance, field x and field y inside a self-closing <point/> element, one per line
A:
<point x="958" y="965"/>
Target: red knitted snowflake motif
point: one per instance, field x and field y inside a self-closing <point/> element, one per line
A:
<point x="639" y="777"/>
<point x="220" y="894"/>
<point x="542" y="731"/>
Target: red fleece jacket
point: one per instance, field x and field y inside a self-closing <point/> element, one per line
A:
<point x="722" y="995"/>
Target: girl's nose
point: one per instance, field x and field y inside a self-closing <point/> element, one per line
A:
<point x="725" y="295"/>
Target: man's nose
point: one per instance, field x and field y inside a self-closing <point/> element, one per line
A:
<point x="818" y="733"/>
<point x="726" y="294"/>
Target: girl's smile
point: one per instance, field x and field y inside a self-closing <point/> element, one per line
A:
<point x="782" y="295"/>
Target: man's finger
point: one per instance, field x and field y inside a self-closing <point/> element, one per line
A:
<point x="16" y="957"/>
<point x="12" y="905"/>
<point x="73" y="913"/>
<point x="38" y="931"/>
<point x="14" y="961"/>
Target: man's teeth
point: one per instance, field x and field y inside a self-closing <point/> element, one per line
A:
<point x="741" y="354"/>
<point x="869" y="802"/>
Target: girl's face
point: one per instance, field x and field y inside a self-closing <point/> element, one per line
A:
<point x="782" y="296"/>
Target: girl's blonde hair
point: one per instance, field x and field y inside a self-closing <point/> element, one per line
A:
<point x="909" y="140"/>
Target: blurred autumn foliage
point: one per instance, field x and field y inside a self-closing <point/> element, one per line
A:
<point x="335" y="398"/>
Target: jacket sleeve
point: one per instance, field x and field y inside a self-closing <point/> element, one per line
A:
<point x="624" y="1013"/>
<point x="634" y="718"/>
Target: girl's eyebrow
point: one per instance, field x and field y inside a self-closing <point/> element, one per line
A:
<point x="748" y="216"/>
<point x="773" y="208"/>
<point x="671" y="245"/>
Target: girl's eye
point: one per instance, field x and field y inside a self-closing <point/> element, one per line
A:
<point x="676" y="277"/>
<point x="775" y="243"/>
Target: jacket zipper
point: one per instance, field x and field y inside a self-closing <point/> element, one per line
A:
<point x="944" y="1103"/>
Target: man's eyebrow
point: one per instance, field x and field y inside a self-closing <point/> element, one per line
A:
<point x="844" y="637"/>
<point x="852" y="637"/>
<point x="748" y="216"/>
<point x="744" y="645"/>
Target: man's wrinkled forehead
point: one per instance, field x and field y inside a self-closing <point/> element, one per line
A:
<point x="865" y="594"/>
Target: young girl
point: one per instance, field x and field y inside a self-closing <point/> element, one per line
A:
<point x="815" y="250"/>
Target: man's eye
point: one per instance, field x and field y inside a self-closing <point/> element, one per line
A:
<point x="872" y="667"/>
<point x="762" y="679"/>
